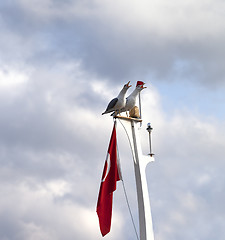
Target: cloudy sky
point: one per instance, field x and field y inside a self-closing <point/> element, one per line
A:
<point x="61" y="62"/>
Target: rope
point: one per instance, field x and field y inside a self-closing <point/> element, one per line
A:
<point x="128" y="205"/>
<point x="125" y="192"/>
<point x="128" y="140"/>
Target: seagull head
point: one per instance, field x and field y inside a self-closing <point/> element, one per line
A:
<point x="126" y="86"/>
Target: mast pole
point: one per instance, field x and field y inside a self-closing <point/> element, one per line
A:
<point x="140" y="163"/>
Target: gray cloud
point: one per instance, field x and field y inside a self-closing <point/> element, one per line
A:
<point x="121" y="46"/>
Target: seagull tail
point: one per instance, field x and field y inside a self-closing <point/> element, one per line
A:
<point x="107" y="111"/>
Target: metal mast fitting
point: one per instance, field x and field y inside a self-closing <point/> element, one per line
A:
<point x="149" y="129"/>
<point x="140" y="162"/>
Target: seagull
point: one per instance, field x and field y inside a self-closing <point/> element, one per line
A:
<point x="116" y="104"/>
<point x="131" y="99"/>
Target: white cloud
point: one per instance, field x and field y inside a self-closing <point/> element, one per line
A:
<point x="11" y="79"/>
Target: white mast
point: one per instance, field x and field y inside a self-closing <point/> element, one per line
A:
<point x="140" y="163"/>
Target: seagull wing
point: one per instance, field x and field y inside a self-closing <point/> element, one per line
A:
<point x="111" y="105"/>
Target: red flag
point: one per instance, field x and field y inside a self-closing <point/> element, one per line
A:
<point x="108" y="185"/>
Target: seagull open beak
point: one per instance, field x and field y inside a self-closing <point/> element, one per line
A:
<point x="142" y="86"/>
<point x="127" y="85"/>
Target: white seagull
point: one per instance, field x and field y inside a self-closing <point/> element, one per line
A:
<point x="131" y="99"/>
<point x="116" y="104"/>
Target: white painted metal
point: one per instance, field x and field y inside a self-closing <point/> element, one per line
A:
<point x="140" y="163"/>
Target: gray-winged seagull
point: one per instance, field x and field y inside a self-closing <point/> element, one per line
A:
<point x="116" y="104"/>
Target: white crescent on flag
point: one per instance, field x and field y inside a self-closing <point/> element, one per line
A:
<point x="108" y="162"/>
